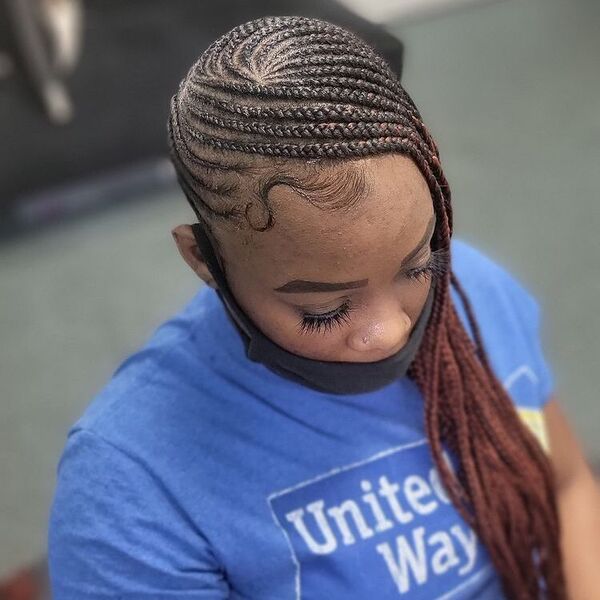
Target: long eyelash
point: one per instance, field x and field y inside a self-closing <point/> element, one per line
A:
<point x="436" y="266"/>
<point x="326" y="322"/>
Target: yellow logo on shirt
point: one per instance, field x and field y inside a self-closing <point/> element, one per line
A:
<point x="534" y="419"/>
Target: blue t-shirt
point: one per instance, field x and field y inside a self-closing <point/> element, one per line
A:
<point x="198" y="474"/>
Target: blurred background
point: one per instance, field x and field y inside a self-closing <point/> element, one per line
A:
<point x="510" y="90"/>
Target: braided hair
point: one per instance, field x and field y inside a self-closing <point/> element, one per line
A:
<point x="283" y="89"/>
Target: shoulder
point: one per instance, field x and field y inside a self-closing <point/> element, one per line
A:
<point x="483" y="276"/>
<point x="151" y="439"/>
<point x="167" y="388"/>
<point x="109" y="503"/>
<point x="494" y="292"/>
<point x="509" y="319"/>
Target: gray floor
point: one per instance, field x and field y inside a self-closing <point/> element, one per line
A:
<point x="510" y="91"/>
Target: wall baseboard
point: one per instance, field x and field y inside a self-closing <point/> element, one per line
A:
<point x="382" y="11"/>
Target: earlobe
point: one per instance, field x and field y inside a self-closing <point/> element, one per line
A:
<point x="186" y="244"/>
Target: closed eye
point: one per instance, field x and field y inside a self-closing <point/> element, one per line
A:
<point x="435" y="267"/>
<point x="323" y="323"/>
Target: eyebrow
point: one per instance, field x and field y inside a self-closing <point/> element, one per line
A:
<point x="301" y="286"/>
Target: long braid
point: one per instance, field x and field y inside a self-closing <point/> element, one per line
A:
<point x="300" y="88"/>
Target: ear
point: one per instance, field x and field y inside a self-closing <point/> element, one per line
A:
<point x="186" y="244"/>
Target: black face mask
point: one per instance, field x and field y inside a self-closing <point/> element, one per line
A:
<point x="323" y="376"/>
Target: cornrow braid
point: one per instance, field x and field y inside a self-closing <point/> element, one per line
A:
<point x="300" y="88"/>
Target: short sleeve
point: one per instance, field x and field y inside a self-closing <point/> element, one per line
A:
<point x="528" y="310"/>
<point x="533" y="416"/>
<point x="116" y="532"/>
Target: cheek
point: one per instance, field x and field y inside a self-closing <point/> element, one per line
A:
<point x="414" y="296"/>
<point x="385" y="323"/>
<point x="281" y="323"/>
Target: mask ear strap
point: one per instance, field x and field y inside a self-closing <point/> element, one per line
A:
<point x="209" y="255"/>
<point x="213" y="262"/>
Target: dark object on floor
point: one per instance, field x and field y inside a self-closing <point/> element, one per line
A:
<point x="132" y="60"/>
<point x="30" y="583"/>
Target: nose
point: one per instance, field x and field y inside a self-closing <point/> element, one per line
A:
<point x="383" y="335"/>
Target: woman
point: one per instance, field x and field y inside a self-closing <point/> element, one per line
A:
<point x="354" y="407"/>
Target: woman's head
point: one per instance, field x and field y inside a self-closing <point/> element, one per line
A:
<point x="310" y="167"/>
<point x="313" y="135"/>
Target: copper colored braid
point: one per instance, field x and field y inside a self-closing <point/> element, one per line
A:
<point x="300" y="88"/>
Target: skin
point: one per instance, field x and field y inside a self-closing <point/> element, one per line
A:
<point x="370" y="242"/>
<point x="578" y="496"/>
<point x="366" y="244"/>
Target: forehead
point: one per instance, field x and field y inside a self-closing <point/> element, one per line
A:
<point x="311" y="242"/>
